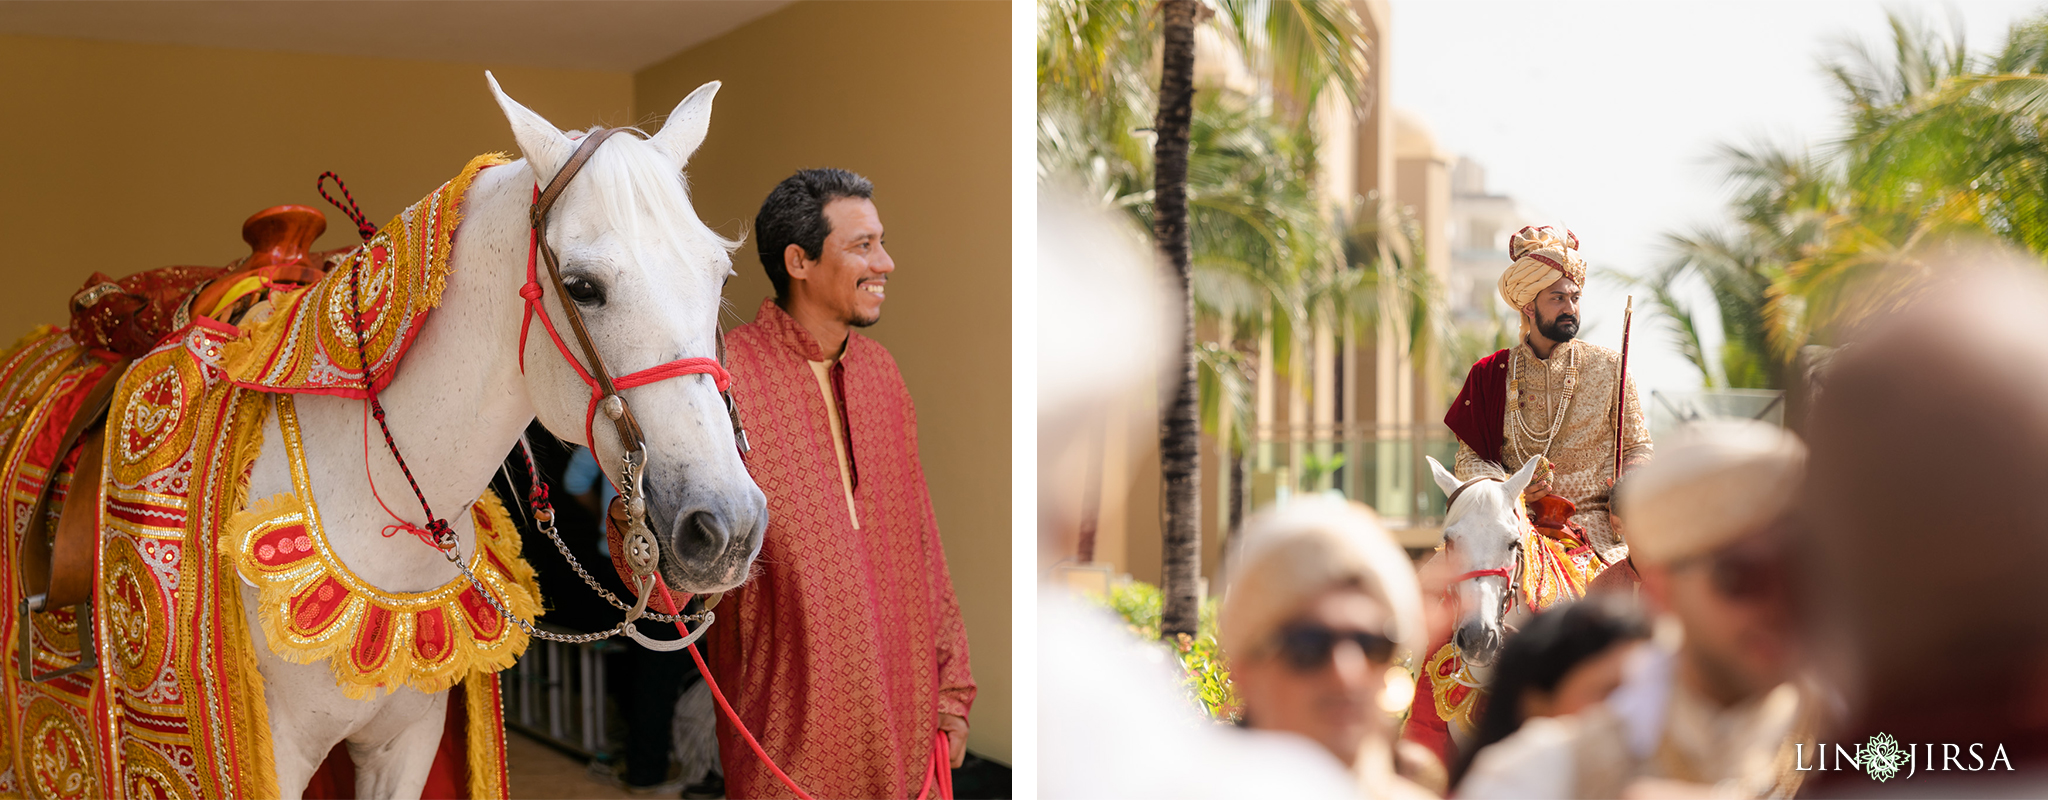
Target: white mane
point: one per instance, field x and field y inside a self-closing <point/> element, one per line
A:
<point x="636" y="183"/>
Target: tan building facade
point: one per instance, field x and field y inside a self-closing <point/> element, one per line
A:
<point x="1357" y="406"/>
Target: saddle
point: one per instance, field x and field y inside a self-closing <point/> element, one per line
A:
<point x="116" y="321"/>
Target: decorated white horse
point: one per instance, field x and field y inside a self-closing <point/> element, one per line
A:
<point x="293" y="545"/>
<point x="1503" y="567"/>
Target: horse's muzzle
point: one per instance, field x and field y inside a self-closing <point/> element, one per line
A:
<point x="1478" y="644"/>
<point x="712" y="546"/>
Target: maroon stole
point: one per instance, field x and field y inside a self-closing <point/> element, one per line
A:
<point x="1479" y="415"/>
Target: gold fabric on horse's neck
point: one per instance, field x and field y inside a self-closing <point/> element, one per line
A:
<point x="313" y="606"/>
<point x="308" y="343"/>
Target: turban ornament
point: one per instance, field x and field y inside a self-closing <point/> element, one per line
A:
<point x="1542" y="255"/>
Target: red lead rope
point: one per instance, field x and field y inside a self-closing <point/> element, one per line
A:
<point x="939" y="768"/>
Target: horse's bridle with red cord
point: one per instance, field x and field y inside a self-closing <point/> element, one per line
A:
<point x="1511" y="574"/>
<point x="604" y="389"/>
<point x="641" y="552"/>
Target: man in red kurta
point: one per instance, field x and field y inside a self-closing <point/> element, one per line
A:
<point x="844" y="654"/>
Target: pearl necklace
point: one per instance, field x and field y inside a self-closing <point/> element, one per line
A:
<point x="1519" y="421"/>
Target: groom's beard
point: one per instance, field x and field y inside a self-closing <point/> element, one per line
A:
<point x="1560" y="330"/>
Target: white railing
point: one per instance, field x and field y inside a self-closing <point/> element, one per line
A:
<point x="556" y="693"/>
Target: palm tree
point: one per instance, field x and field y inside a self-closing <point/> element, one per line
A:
<point x="1300" y="48"/>
<point x="1180" y="425"/>
<point x="1228" y="196"/>
<point x="1941" y="146"/>
<point x="1784" y="203"/>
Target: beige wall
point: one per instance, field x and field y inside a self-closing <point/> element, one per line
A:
<point x="915" y="96"/>
<point x="124" y="157"/>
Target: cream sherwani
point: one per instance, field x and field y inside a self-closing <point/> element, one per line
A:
<point x="1582" y="449"/>
<point x="1650" y="727"/>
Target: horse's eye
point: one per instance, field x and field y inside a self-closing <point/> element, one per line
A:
<point x="584" y="291"/>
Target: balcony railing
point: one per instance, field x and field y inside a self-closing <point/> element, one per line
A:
<point x="1379" y="465"/>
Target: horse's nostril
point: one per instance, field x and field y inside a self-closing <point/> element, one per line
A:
<point x="1468" y="635"/>
<point x="701" y="532"/>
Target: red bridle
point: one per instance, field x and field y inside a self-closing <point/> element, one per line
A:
<point x="673" y="369"/>
<point x="1506" y="573"/>
<point x="1499" y="572"/>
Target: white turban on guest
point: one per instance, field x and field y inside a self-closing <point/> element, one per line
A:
<point x="1541" y="255"/>
<point x="1720" y="481"/>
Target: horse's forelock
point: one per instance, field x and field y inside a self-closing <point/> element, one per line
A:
<point x="632" y="181"/>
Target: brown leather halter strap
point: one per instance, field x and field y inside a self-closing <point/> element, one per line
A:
<point x="605" y="388"/>
<point x="1453" y="499"/>
<point x="1511" y="573"/>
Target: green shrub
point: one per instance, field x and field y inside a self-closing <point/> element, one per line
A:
<point x="1204" y="678"/>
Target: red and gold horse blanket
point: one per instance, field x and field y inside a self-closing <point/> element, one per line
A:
<point x="1557" y="566"/>
<point x="176" y="706"/>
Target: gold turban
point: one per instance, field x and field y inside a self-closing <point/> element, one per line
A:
<point x="1295" y="553"/>
<point x="1719" y="482"/>
<point x="1541" y="256"/>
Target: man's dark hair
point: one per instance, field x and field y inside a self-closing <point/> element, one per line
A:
<point x="794" y="214"/>
<point x="1538" y="658"/>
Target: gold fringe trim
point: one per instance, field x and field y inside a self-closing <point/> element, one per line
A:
<point x="452" y="195"/>
<point x="486" y="736"/>
<point x="400" y="664"/>
<point x="258" y="765"/>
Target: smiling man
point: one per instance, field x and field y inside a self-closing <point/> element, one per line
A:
<point x="844" y="654"/>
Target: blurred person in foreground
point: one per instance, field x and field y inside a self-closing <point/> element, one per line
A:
<point x="1567" y="658"/>
<point x="1113" y="720"/>
<point x="1707" y="706"/>
<point x="1320" y="609"/>
<point x="1929" y="540"/>
<point x="845" y="652"/>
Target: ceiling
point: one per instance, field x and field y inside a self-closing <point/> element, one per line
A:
<point x="606" y="35"/>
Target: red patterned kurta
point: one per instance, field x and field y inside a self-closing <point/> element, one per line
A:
<point x="846" y="645"/>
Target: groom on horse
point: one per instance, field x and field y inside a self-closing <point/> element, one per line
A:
<point x="1551" y="395"/>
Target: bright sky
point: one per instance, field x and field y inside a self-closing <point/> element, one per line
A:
<point x="1603" y="116"/>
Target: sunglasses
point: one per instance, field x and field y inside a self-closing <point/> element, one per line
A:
<point x="1307" y="646"/>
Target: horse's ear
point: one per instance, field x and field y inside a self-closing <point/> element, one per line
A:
<point x="1444" y="479"/>
<point x="1520" y="480"/>
<point x="686" y="125"/>
<point x="544" y="145"/>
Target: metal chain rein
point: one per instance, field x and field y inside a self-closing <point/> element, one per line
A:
<point x="448" y="542"/>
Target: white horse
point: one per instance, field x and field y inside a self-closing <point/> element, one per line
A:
<point x="647" y="274"/>
<point x="1483" y="528"/>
